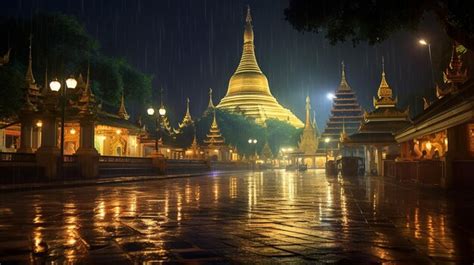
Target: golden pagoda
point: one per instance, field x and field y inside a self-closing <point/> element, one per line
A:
<point x="308" y="141"/>
<point x="248" y="91"/>
<point x="187" y="119"/>
<point x="384" y="93"/>
<point x="214" y="137"/>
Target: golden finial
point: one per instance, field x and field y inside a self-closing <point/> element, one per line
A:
<point x="211" y="103"/>
<point x="248" y="19"/>
<point x="122" y="110"/>
<point x="29" y="72"/>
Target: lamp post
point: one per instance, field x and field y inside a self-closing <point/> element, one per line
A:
<point x="161" y="114"/>
<point x="55" y="86"/>
<point x="426" y="43"/>
<point x="254" y="143"/>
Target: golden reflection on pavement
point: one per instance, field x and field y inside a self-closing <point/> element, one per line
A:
<point x="273" y="215"/>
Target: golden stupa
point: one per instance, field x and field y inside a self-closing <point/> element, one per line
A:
<point x="248" y="91"/>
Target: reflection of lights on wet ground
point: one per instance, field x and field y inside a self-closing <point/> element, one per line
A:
<point x="187" y="192"/>
<point x="179" y="207"/>
<point x="215" y="190"/>
<point x="233" y="187"/>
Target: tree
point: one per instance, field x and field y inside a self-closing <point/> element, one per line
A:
<point x="61" y="44"/>
<point x="281" y="134"/>
<point x="374" y="21"/>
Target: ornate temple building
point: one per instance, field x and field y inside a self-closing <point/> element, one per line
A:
<point x="346" y="112"/>
<point x="376" y="132"/>
<point x="216" y="148"/>
<point x="248" y="91"/>
<point x="438" y="148"/>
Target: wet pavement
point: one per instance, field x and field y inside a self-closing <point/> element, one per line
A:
<point x="273" y="217"/>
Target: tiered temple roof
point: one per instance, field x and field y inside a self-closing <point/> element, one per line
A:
<point x="346" y="112"/>
<point x="248" y="91"/>
<point x="379" y="125"/>
<point x="214" y="137"/>
<point x="187" y="119"/>
<point x="454" y="75"/>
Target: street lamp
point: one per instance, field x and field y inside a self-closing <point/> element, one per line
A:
<point x="161" y="113"/>
<point x="330" y="96"/>
<point x="253" y="142"/>
<point x="326" y="141"/>
<point x="55" y="86"/>
<point x="426" y="43"/>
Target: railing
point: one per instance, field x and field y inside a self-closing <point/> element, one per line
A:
<point x="70" y="159"/>
<point x="124" y="159"/>
<point x="17" y="157"/>
<point x="389" y="168"/>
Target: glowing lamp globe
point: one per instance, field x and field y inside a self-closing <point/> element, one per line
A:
<point x="162" y="111"/>
<point x="254" y="141"/>
<point x="423" y="42"/>
<point x="330" y="96"/>
<point x="55" y="85"/>
<point x="71" y="83"/>
<point x="150" y="111"/>
<point x="250" y="141"/>
<point x="327" y="140"/>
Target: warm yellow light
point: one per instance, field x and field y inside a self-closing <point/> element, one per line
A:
<point x="327" y="140"/>
<point x="201" y="152"/>
<point x="168" y="150"/>
<point x="290" y="149"/>
<point x="428" y="146"/>
<point x="118" y="131"/>
<point x="215" y="150"/>
<point x="39" y="124"/>
<point x="55" y="85"/>
<point x="162" y="111"/>
<point x="72" y="131"/>
<point x="254" y="141"/>
<point x="423" y="42"/>
<point x="446" y="141"/>
<point x="230" y="151"/>
<point x="71" y="83"/>
<point x="250" y="141"/>
<point x="150" y="111"/>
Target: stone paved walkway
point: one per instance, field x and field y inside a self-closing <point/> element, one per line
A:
<point x="251" y="218"/>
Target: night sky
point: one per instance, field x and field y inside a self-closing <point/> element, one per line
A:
<point x="191" y="45"/>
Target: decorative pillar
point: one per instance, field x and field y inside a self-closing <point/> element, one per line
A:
<point x="379" y="161"/>
<point x="87" y="155"/>
<point x="2" y="140"/>
<point x="48" y="155"/>
<point x="36" y="137"/>
<point x="26" y="137"/>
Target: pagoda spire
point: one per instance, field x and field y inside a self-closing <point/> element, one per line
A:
<point x="343" y="85"/>
<point x="122" y="112"/>
<point x="308" y="111"/>
<point x="453" y="76"/>
<point x="315" y="124"/>
<point x="187" y="119"/>
<point x="211" y="103"/>
<point x="384" y="93"/>
<point x="30" y="79"/>
<point x="87" y="100"/>
<point x="248" y="62"/>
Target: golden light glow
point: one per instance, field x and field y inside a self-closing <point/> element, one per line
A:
<point x="72" y="131"/>
<point x="71" y="83"/>
<point x="55" y="85"/>
<point x="423" y="42"/>
<point x="39" y="124"/>
<point x="118" y="131"/>
<point x="150" y="111"/>
<point x="428" y="146"/>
